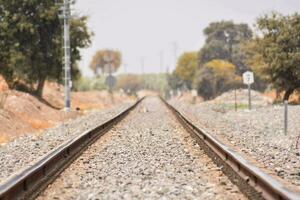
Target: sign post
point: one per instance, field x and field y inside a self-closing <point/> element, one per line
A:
<point x="285" y="116"/>
<point x="235" y="100"/>
<point x="248" y="79"/>
<point x="194" y="95"/>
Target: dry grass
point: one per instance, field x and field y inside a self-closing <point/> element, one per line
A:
<point x="3" y="97"/>
<point x="3" y="139"/>
<point x="294" y="98"/>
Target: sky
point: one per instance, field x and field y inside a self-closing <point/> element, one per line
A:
<point x="151" y="34"/>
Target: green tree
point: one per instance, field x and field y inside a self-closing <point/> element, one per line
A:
<point x="31" y="43"/>
<point x="216" y="77"/>
<point x="223" y="41"/>
<point x="186" y="67"/>
<point x="103" y="59"/>
<point x="255" y="62"/>
<point x="277" y="50"/>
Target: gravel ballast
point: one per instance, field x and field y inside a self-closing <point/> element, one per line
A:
<point x="148" y="155"/>
<point x="24" y="151"/>
<point x="257" y="133"/>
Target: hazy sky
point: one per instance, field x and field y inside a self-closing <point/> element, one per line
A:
<point x="145" y="29"/>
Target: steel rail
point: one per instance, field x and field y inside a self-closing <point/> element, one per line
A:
<point x="28" y="183"/>
<point x="251" y="180"/>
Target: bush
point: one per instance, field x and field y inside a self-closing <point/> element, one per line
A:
<point x="216" y="77"/>
<point x="87" y="84"/>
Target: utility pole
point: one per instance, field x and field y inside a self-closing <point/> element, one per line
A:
<point x="67" y="54"/>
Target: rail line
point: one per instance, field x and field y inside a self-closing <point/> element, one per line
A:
<point x="252" y="181"/>
<point x="28" y="183"/>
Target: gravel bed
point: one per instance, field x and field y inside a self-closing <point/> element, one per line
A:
<point x="257" y="133"/>
<point x="23" y="151"/>
<point x="146" y="156"/>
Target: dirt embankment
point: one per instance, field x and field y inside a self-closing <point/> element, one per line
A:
<point x="22" y="113"/>
<point x="53" y="94"/>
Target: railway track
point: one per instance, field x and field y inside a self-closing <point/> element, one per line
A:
<point x="28" y="183"/>
<point x="251" y="181"/>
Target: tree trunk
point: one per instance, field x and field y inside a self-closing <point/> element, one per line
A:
<point x="40" y="86"/>
<point x="287" y="94"/>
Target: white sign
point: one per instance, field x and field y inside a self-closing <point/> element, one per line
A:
<point x="248" y="78"/>
<point x="194" y="93"/>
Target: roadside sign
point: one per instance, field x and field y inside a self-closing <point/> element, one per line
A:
<point x="248" y="78"/>
<point x="110" y="81"/>
<point x="194" y="93"/>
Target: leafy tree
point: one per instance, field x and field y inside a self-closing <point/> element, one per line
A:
<point x="31" y="43"/>
<point x="216" y="77"/>
<point x="223" y="41"/>
<point x="254" y="60"/>
<point x="103" y="58"/>
<point x="277" y="49"/>
<point x="186" y="67"/>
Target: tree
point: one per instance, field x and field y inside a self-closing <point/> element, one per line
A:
<point x="255" y="62"/>
<point x="31" y="43"/>
<point x="186" y="67"/>
<point x="174" y="82"/>
<point x="103" y="59"/>
<point x="277" y="48"/>
<point x="223" y="41"/>
<point x="216" y="77"/>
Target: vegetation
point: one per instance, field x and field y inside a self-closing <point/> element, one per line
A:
<point x="106" y="61"/>
<point x="154" y="82"/>
<point x="219" y="64"/>
<point x="275" y="53"/>
<point x="230" y="49"/>
<point x="88" y="84"/>
<point x="31" y="52"/>
<point x="131" y="83"/>
<point x="216" y="77"/>
<point x="223" y="41"/>
<point x="186" y="68"/>
<point x="31" y="43"/>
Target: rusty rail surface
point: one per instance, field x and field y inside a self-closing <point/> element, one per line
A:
<point x="251" y="180"/>
<point x="28" y="183"/>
